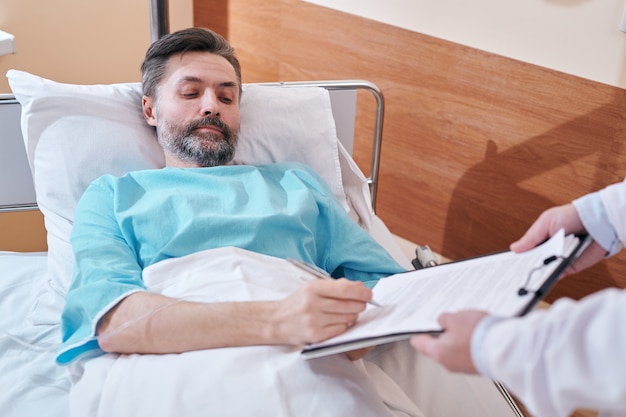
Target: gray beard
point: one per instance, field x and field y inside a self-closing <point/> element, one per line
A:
<point x="206" y="149"/>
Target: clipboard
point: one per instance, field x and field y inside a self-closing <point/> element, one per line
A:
<point x="413" y="300"/>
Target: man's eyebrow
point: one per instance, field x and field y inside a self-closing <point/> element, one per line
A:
<point x="192" y="79"/>
<point x="229" y="84"/>
<point x="189" y="78"/>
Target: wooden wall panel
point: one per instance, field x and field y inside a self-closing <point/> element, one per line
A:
<point x="214" y="15"/>
<point x="22" y="231"/>
<point x="475" y="145"/>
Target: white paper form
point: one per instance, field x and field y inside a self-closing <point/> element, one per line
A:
<point x="413" y="301"/>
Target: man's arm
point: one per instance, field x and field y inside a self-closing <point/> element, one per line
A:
<point x="150" y="323"/>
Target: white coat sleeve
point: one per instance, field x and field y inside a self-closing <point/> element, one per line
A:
<point x="614" y="200"/>
<point x="570" y="356"/>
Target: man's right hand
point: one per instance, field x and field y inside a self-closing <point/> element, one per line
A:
<point x="320" y="310"/>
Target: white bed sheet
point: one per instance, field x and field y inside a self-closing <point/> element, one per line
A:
<point x="240" y="381"/>
<point x="31" y="384"/>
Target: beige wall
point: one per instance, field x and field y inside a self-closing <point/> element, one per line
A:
<point x="74" y="41"/>
<point x="81" y="41"/>
<point x="578" y="37"/>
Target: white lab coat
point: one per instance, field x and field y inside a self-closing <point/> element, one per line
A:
<point x="570" y="356"/>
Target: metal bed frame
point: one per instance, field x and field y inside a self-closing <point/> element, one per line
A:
<point x="336" y="85"/>
<point x="159" y="26"/>
<point x="353" y="85"/>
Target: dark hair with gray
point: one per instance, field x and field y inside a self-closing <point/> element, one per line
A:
<point x="179" y="42"/>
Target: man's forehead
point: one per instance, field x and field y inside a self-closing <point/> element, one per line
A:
<point x="200" y="67"/>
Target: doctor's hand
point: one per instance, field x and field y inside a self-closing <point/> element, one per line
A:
<point x="355" y="355"/>
<point x="319" y="310"/>
<point x="551" y="221"/>
<point x="452" y="347"/>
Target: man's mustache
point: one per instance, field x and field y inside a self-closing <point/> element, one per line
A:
<point x="208" y="121"/>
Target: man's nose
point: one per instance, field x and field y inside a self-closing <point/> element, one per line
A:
<point x="210" y="105"/>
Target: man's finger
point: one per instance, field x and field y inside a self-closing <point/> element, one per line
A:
<point x="343" y="289"/>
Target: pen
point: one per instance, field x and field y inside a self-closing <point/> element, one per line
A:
<point x="320" y="273"/>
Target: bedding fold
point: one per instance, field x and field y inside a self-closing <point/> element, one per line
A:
<point x="230" y="381"/>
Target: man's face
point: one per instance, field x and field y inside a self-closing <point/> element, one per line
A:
<point x="197" y="110"/>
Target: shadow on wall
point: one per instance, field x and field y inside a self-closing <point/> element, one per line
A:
<point x="575" y="158"/>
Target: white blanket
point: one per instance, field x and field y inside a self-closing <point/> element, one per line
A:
<point x="255" y="381"/>
<point x="30" y="380"/>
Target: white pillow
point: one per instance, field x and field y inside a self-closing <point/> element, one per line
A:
<point x="76" y="133"/>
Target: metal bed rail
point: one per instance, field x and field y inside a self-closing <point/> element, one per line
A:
<point x="18" y="207"/>
<point x="330" y="85"/>
<point x="344" y="85"/>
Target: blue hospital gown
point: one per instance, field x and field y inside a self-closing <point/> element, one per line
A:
<point x="123" y="225"/>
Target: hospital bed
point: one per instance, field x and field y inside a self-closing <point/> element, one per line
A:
<point x="74" y="134"/>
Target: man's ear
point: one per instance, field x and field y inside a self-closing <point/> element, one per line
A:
<point x="149" y="110"/>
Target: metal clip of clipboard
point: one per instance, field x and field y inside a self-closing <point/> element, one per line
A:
<point x="539" y="293"/>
